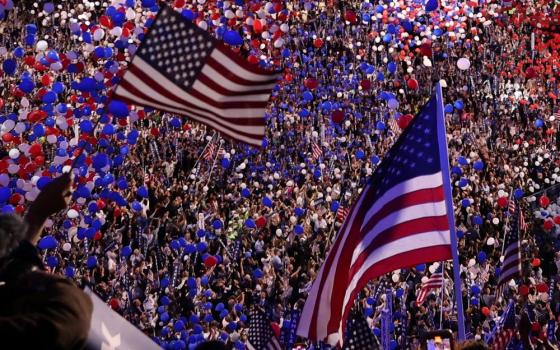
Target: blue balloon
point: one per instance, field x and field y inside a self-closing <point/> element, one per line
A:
<point x="233" y="38"/>
<point x="9" y="66"/>
<point x="392" y="67"/>
<point x="118" y="109"/>
<point x="225" y="163"/>
<point x="267" y="202"/>
<point x="26" y="85"/>
<point x="250" y="223"/>
<point x="175" y="122"/>
<point x="5" y="193"/>
<point x="245" y="192"/>
<point x="19" y="52"/>
<point x="49" y="97"/>
<point x="148" y="3"/>
<point x="47" y="242"/>
<point x="217" y="224"/>
<point x="481" y="257"/>
<point x="100" y="160"/>
<point x="459" y="105"/>
<point x="126" y="251"/>
<point x="466" y="202"/>
<point x="70" y="271"/>
<point x="91" y="262"/>
<point x="258" y="273"/>
<point x="475" y="289"/>
<point x="539" y="123"/>
<point x="142" y="191"/>
<point x="477" y="220"/>
<point x="380" y="125"/>
<point x="431" y="5"/>
<point x="518" y="193"/>
<point x="421" y="267"/>
<point x="448" y="108"/>
<point x="360" y="154"/>
<point x="307" y="96"/>
<point x="298" y="230"/>
<point x="478" y="165"/>
<point x="399" y="293"/>
<point x="334" y="206"/>
<point x="52" y="261"/>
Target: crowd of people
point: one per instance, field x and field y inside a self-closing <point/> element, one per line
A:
<point x="181" y="231"/>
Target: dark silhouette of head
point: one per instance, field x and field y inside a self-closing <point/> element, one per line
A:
<point x="12" y="232"/>
<point x="212" y="345"/>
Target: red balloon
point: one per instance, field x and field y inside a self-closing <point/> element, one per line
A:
<point x="365" y="84"/>
<point x="535" y="327"/>
<point x="337" y="116"/>
<point x="485" y="311"/>
<point x="261" y="222"/>
<point x="557" y="219"/>
<point x="544" y="201"/>
<point x="412" y="84"/>
<point x="179" y="3"/>
<point x="210" y="261"/>
<point x="536" y="262"/>
<point x="97" y="236"/>
<point x="311" y="83"/>
<point x="1" y="103"/>
<point x="404" y="120"/>
<point x="318" y="43"/>
<point x="530" y="73"/>
<point x="154" y="131"/>
<point x="548" y="224"/>
<point x="350" y="16"/>
<point x="253" y="59"/>
<point x="502" y="202"/>
<point x="542" y="288"/>
<point x="46" y="80"/>
<point x="257" y="26"/>
<point x="523" y="290"/>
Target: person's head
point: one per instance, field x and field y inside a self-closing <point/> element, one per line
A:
<point x="472" y="345"/>
<point x="211" y="345"/>
<point x="12" y="232"/>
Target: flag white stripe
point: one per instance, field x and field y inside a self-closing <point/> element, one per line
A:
<point x="226" y="131"/>
<point x="248" y="113"/>
<point x="412" y="185"/>
<point x="398" y="217"/>
<point x="238" y="70"/>
<point x="222" y="80"/>
<point x="399" y="246"/>
<point x="214" y="95"/>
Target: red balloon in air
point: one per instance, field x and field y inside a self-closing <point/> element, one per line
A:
<point x="337" y="116"/>
<point x="536" y="262"/>
<point x="318" y="43"/>
<point x="261" y="222"/>
<point x="485" y="311"/>
<point x="365" y="84"/>
<point x="523" y="290"/>
<point x="530" y="73"/>
<point x="548" y="225"/>
<point x="210" y="261"/>
<point x="544" y="201"/>
<point x="311" y="83"/>
<point x="502" y="202"/>
<point x="404" y="120"/>
<point x="412" y="84"/>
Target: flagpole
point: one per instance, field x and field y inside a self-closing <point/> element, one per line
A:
<point x="444" y="162"/>
<point x="442" y="294"/>
<point x="506" y="226"/>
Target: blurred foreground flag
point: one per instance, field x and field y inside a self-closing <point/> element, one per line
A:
<point x="402" y="218"/>
<point x="109" y="331"/>
<point x="181" y="69"/>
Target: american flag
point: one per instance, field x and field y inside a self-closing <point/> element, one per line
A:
<point x="511" y="267"/>
<point x="511" y="208"/>
<point x="505" y="329"/>
<point x="182" y="69"/>
<point x="261" y="336"/>
<point x="399" y="220"/>
<point x="434" y="282"/>
<point x="395" y="128"/>
<point x="341" y="214"/>
<point x="317" y="151"/>
<point x="209" y="151"/>
<point x="359" y="336"/>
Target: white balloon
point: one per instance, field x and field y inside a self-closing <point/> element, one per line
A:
<point x="98" y="34"/>
<point x="395" y="277"/>
<point x="8" y="125"/>
<point x="13" y="168"/>
<point x="490" y="241"/>
<point x="463" y="63"/>
<point x="66" y="247"/>
<point x="4" y="180"/>
<point x="393" y="103"/>
<point x="203" y="25"/>
<point x="72" y="214"/>
<point x="42" y="45"/>
<point x="14" y="153"/>
<point x="20" y="127"/>
<point x="472" y="262"/>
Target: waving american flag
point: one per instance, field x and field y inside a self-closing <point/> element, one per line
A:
<point x="181" y="69"/>
<point x="400" y="219"/>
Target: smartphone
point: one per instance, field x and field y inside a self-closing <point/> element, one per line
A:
<point x="438" y="340"/>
